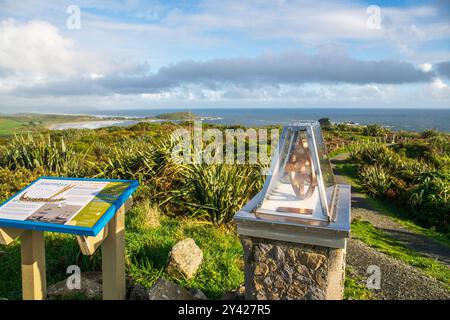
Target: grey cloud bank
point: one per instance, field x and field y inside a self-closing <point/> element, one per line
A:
<point x="444" y="69"/>
<point x="270" y="70"/>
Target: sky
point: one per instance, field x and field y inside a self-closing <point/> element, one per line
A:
<point x="64" y="56"/>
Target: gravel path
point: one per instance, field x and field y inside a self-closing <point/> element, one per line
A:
<point x="398" y="279"/>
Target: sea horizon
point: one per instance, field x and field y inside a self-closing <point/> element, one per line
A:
<point x="410" y="119"/>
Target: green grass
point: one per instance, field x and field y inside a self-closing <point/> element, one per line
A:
<point x="222" y="267"/>
<point x="9" y="126"/>
<point x="382" y="242"/>
<point x="28" y="122"/>
<point x="147" y="250"/>
<point x="354" y="287"/>
<point x="337" y="152"/>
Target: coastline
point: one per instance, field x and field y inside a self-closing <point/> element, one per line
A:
<point x="94" y="124"/>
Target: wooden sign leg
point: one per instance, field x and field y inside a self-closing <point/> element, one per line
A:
<point x="113" y="258"/>
<point x="34" y="283"/>
<point x="8" y="235"/>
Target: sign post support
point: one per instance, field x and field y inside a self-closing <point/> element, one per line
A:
<point x="34" y="283"/>
<point x="113" y="258"/>
<point x="92" y="209"/>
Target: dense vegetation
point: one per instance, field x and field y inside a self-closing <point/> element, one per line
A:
<point x="143" y="152"/>
<point x="414" y="174"/>
<point x="189" y="199"/>
<point x="168" y="190"/>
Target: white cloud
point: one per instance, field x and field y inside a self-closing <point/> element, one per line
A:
<point x="438" y="84"/>
<point x="36" y="53"/>
<point x="426" y="67"/>
<point x="37" y="49"/>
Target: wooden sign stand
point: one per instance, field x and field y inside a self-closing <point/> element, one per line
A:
<point x="111" y="238"/>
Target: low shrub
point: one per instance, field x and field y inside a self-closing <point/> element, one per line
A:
<point x="430" y="199"/>
<point x="216" y="192"/>
<point x="43" y="153"/>
<point x="375" y="180"/>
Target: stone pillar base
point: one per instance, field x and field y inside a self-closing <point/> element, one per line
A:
<point x="277" y="270"/>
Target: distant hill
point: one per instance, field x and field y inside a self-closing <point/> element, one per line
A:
<point x="177" y="116"/>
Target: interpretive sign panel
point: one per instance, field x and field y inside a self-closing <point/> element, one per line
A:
<point x="67" y="205"/>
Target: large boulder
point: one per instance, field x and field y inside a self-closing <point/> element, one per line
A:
<point x="198" y="294"/>
<point x="165" y="290"/>
<point x="238" y="294"/>
<point x="138" y="292"/>
<point x="90" y="288"/>
<point x="168" y="290"/>
<point x="185" y="259"/>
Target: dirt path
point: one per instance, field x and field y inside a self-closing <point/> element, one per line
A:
<point x="398" y="279"/>
<point x="362" y="209"/>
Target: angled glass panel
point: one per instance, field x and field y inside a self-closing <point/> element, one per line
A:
<point x="325" y="166"/>
<point x="297" y="187"/>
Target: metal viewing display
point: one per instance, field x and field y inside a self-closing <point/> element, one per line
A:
<point x="301" y="184"/>
<point x="294" y="231"/>
<point x="300" y="200"/>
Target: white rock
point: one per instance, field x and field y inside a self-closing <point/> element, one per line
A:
<point x="185" y="259"/>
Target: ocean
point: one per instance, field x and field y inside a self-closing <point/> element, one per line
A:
<point x="396" y="119"/>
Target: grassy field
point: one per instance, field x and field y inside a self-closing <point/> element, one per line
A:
<point x="29" y="122"/>
<point x="9" y="126"/>
<point x="23" y="123"/>
<point x="147" y="249"/>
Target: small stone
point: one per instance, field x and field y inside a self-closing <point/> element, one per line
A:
<point x="273" y="295"/>
<point x="312" y="260"/>
<point x="272" y="265"/>
<point x="268" y="282"/>
<point x="264" y="247"/>
<point x="314" y="293"/>
<point x="288" y="271"/>
<point x="296" y="290"/>
<point x="138" y="292"/>
<point x="278" y="254"/>
<point x="198" y="294"/>
<point x="185" y="258"/>
<point x="261" y="250"/>
<point x="320" y="279"/>
<point x="168" y="290"/>
<point x="258" y="285"/>
<point x="261" y="296"/>
<point x="279" y="282"/>
<point x="237" y="294"/>
<point x="302" y="270"/>
<point x="261" y="269"/>
<point x="291" y="255"/>
<point x="305" y="279"/>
